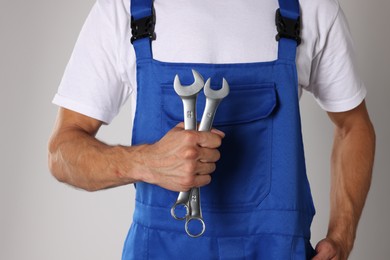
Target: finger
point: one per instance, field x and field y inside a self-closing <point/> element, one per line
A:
<point x="218" y="132"/>
<point x="205" y="168"/>
<point x="202" y="180"/>
<point x="209" y="140"/>
<point x="325" y="251"/>
<point x="322" y="255"/>
<point x="179" y="126"/>
<point x="208" y="155"/>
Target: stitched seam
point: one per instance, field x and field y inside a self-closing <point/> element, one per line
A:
<point x="240" y="235"/>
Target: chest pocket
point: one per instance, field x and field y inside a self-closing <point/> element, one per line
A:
<point x="243" y="176"/>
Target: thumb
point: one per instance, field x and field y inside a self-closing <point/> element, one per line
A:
<point x="180" y="125"/>
<point x="325" y="250"/>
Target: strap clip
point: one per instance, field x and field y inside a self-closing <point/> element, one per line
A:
<point x="143" y="28"/>
<point x="288" y="28"/>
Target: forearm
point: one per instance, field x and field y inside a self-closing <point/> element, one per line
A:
<point x="179" y="161"/>
<point x="352" y="162"/>
<point x="79" y="159"/>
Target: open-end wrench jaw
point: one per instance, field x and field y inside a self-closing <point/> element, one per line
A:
<point x="191" y="90"/>
<point x="188" y="95"/>
<point x="216" y="94"/>
<point x="213" y="98"/>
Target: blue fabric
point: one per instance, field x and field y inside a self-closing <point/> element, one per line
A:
<point x="258" y="205"/>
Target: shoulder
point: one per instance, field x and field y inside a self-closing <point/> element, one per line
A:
<point x="319" y="13"/>
<point x="114" y="8"/>
<point x="110" y="19"/>
<point x="318" y="17"/>
<point x="319" y="7"/>
<point x="124" y="4"/>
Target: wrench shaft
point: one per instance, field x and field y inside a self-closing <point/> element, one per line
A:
<point x="208" y="115"/>
<point x="191" y="199"/>
<point x="189" y="108"/>
<point x="188" y="95"/>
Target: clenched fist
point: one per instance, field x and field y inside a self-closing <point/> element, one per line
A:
<point x="182" y="159"/>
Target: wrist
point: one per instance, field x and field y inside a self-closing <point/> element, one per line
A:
<point x="126" y="164"/>
<point x="137" y="163"/>
<point x="343" y="242"/>
<point x="342" y="228"/>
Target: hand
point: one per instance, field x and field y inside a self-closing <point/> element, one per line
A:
<point x="328" y="249"/>
<point x="182" y="159"/>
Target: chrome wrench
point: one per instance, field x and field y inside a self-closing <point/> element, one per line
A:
<point x="188" y="95"/>
<point x="213" y="99"/>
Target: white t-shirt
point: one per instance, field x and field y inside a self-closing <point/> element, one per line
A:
<point x="101" y="73"/>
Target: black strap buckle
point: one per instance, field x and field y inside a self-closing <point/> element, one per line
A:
<point x="143" y="28"/>
<point x="288" y="28"/>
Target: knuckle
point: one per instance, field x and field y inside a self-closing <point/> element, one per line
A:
<point x="191" y="153"/>
<point x="190" y="136"/>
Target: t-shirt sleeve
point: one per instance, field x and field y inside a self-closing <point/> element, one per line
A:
<point x="334" y="80"/>
<point x="92" y="83"/>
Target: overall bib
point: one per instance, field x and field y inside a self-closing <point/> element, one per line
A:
<point x="258" y="205"/>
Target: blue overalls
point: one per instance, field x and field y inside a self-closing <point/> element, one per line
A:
<point x="258" y="205"/>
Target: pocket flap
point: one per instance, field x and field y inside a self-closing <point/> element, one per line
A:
<point x="245" y="103"/>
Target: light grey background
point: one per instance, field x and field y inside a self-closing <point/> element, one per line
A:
<point x="41" y="219"/>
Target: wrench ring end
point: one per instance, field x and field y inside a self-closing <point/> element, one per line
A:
<point x="173" y="211"/>
<point x="188" y="231"/>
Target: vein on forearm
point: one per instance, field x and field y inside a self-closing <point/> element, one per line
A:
<point x="352" y="162"/>
<point x="85" y="162"/>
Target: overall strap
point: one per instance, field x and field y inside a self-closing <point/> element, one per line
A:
<point x="287" y="21"/>
<point x="142" y="25"/>
<point x="288" y="24"/>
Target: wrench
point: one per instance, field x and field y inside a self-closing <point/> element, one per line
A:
<point x="188" y="95"/>
<point x="213" y="99"/>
